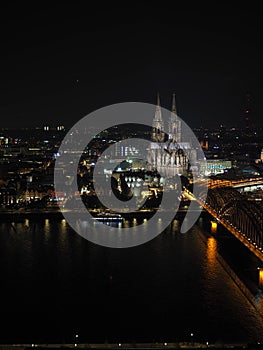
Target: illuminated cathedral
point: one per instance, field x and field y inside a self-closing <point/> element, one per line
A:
<point x="168" y="153"/>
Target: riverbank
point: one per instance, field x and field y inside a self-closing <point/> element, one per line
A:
<point x="101" y="346"/>
<point x="57" y="214"/>
<point x="252" y="293"/>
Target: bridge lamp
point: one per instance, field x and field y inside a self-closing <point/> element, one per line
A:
<point x="260" y="277"/>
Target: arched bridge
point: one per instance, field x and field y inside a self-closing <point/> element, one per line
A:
<point x="241" y="217"/>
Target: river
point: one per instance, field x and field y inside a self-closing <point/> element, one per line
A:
<point x="55" y="284"/>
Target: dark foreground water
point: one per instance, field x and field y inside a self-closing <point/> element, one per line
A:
<point x="55" y="284"/>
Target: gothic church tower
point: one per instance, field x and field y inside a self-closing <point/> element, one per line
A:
<point x="158" y="125"/>
<point x="174" y="126"/>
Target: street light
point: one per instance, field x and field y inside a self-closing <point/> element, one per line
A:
<point x="76" y="342"/>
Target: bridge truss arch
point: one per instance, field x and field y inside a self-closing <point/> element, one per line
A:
<point x="245" y="216"/>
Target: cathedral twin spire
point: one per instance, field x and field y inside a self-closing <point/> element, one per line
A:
<point x="158" y="125"/>
<point x="174" y="124"/>
<point x="174" y="105"/>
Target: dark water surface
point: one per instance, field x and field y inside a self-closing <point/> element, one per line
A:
<point x="55" y="284"/>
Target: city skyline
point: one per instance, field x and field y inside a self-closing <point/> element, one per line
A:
<point x="65" y="284"/>
<point x="140" y="225"/>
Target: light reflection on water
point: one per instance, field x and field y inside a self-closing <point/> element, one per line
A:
<point x="166" y="288"/>
<point x="211" y="251"/>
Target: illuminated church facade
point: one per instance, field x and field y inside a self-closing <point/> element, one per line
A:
<point x="168" y="153"/>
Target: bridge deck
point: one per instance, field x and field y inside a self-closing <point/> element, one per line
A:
<point x="241" y="237"/>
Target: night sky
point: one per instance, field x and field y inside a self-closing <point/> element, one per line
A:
<point x="58" y="62"/>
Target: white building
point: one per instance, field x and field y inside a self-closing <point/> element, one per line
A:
<point x="214" y="166"/>
<point x="168" y="153"/>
